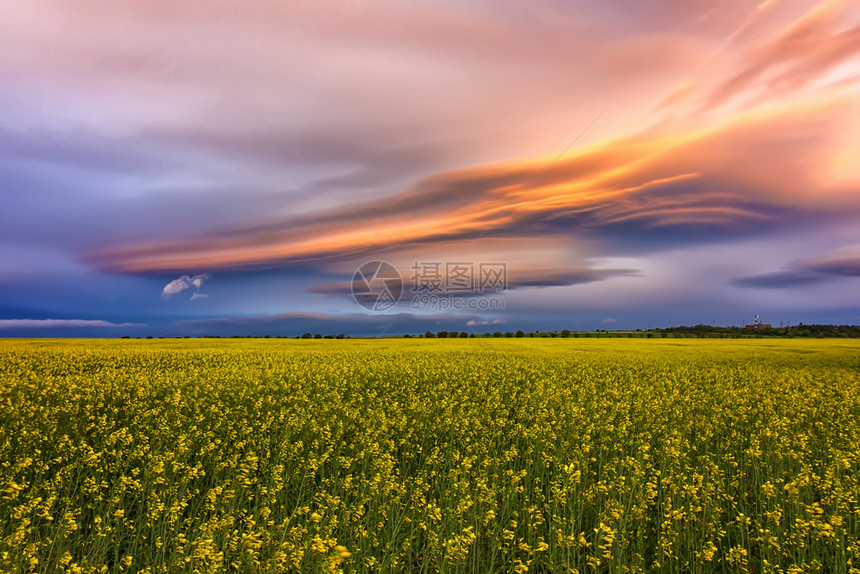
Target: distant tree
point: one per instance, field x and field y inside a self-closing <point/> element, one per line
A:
<point x="497" y="334"/>
<point x="464" y="335"/>
<point x="307" y="336"/>
<point x="453" y="334"/>
<point x="430" y="335"/>
<point x="520" y="334"/>
<point x="442" y="334"/>
<point x="565" y="333"/>
<point x="339" y="336"/>
<point x="407" y="336"/>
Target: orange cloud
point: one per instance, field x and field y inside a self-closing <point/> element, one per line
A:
<point x="765" y="166"/>
<point x="745" y="172"/>
<point x="802" y="53"/>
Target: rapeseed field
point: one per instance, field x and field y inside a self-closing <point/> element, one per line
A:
<point x="466" y="455"/>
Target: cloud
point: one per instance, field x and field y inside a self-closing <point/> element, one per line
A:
<point x="780" y="279"/>
<point x="749" y="176"/>
<point x="183" y="283"/>
<point x="475" y="323"/>
<point x="609" y="321"/>
<point x="195" y="296"/>
<point x="518" y="276"/>
<point x="806" y="51"/>
<point x="698" y="175"/>
<point x="844" y="262"/>
<point x="60" y="324"/>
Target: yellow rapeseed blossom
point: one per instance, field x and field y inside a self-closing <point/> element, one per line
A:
<point x="543" y="455"/>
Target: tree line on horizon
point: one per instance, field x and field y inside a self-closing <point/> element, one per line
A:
<point x="680" y="332"/>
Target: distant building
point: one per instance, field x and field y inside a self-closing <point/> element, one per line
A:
<point x="758" y="325"/>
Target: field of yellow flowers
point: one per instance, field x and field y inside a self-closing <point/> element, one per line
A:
<point x="465" y="455"/>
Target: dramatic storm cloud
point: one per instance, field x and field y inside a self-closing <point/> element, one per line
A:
<point x="629" y="164"/>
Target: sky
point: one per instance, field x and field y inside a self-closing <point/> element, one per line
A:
<point x="227" y="168"/>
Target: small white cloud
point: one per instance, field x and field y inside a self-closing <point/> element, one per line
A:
<point x="197" y="280"/>
<point x="183" y="283"/>
<point x="609" y="320"/>
<point x="473" y="323"/>
<point x="198" y="296"/>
